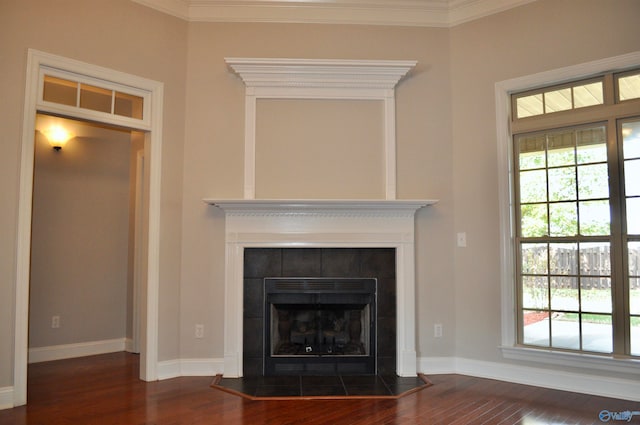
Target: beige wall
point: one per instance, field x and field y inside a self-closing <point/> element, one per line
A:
<point x="445" y="137"/>
<point x="120" y="35"/>
<point x="214" y="155"/>
<point x="80" y="238"/>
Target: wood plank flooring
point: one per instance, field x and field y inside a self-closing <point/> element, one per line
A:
<point x="105" y="390"/>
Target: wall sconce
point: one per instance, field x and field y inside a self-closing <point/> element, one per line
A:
<point x="58" y="136"/>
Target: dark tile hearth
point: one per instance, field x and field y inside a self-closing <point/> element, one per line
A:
<point x="304" y="387"/>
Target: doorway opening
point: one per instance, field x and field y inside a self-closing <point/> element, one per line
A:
<point x="86" y="239"/>
<point x="93" y="86"/>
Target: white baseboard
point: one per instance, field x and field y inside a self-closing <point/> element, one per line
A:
<point x="189" y="367"/>
<point x="626" y="389"/>
<point x="69" y="351"/>
<point x="6" y="398"/>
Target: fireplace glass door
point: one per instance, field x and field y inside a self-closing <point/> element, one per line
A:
<point x="320" y="326"/>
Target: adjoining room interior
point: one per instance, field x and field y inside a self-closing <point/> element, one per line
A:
<point x="86" y="191"/>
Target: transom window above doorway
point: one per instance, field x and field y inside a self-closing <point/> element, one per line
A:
<point x="60" y="92"/>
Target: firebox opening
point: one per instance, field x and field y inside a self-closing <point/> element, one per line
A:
<point x="320" y="326"/>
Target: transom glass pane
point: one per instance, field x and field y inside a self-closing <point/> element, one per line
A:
<point x="59" y="90"/>
<point x="588" y="95"/>
<point x="529" y="106"/>
<point x="128" y="105"/>
<point x="558" y="100"/>
<point x="629" y="87"/>
<point x="95" y="98"/>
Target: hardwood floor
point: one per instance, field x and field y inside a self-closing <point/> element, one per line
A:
<point x="105" y="390"/>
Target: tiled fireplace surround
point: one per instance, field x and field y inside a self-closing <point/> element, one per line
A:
<point x="260" y="263"/>
<point x="319" y="238"/>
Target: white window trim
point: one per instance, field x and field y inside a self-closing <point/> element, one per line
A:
<point x="503" y="91"/>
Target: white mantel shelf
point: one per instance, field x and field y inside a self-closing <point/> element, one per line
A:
<point x="319" y="205"/>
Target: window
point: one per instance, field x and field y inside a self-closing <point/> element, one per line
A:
<point x="74" y="93"/>
<point x="577" y="215"/>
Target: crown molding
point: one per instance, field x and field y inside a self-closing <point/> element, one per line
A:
<point x="267" y="72"/>
<point x="422" y="13"/>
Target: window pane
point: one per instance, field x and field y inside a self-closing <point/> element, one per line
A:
<point x="595" y="294"/>
<point x="634" y="298"/>
<point x="564" y="293"/>
<point x="535" y="293"/>
<point x="629" y="87"/>
<point x="529" y="105"/>
<point x="633" y="216"/>
<point x="634" y="273"/>
<point x="565" y="331"/>
<point x="557" y="100"/>
<point x="632" y="177"/>
<point x="635" y="335"/>
<point x="563" y="219"/>
<point x="562" y="184"/>
<point x="95" y="98"/>
<point x="533" y="220"/>
<point x="631" y="139"/>
<point x="533" y="186"/>
<point x="561" y="149"/>
<point x="595" y="259"/>
<point x="592" y="145"/>
<point x="588" y="95"/>
<point x="532" y="152"/>
<point x="60" y="91"/>
<point x="593" y="181"/>
<point x="563" y="258"/>
<point x="595" y="218"/>
<point x="534" y="258"/>
<point x="597" y="333"/>
<point x="536" y="328"/>
<point x="128" y="105"/>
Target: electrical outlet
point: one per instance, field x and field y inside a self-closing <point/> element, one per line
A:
<point x="462" y="239"/>
<point x="199" y="331"/>
<point x="55" y="322"/>
<point x="437" y="330"/>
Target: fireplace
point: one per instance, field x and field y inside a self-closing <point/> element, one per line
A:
<point x="339" y="284"/>
<point x="279" y="228"/>
<point x="319" y="326"/>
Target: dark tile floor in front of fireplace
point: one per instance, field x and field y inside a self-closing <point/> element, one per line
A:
<point x="322" y="386"/>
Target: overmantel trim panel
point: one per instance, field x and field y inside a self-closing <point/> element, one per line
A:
<point x="267" y="78"/>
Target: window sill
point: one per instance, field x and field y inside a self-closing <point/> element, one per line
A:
<point x="629" y="366"/>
